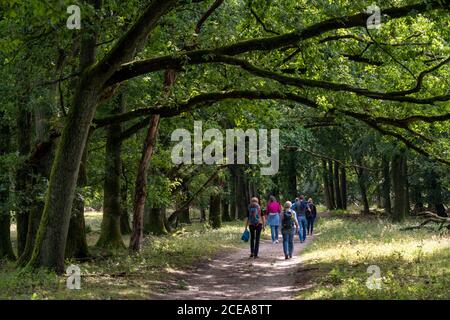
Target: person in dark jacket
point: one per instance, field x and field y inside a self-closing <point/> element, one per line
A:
<point x="288" y="223"/>
<point x="301" y="207"/>
<point x="311" y="216"/>
<point x="255" y="222"/>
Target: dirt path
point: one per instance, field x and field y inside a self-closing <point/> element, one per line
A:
<point x="236" y="276"/>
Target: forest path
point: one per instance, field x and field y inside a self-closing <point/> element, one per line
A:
<point x="234" y="275"/>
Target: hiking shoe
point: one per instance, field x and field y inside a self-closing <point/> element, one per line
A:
<point x="290" y="256"/>
<point x="251" y="256"/>
<point x="286" y="257"/>
<point x="255" y="257"/>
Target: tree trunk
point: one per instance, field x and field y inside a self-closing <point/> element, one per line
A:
<point x="434" y="191"/>
<point x="378" y="197"/>
<point x="440" y="210"/>
<point x="51" y="239"/>
<point x="399" y="187"/>
<point x="174" y="216"/>
<point x="33" y="226"/>
<point x="23" y="176"/>
<point x="184" y="216"/>
<point x="362" y="188"/>
<point x="125" y="227"/>
<point x="362" y="181"/>
<point x="76" y="239"/>
<point x="326" y="186"/>
<point x="331" y="184"/>
<point x="76" y="246"/>
<point x="49" y="250"/>
<point x="232" y="188"/>
<point x="246" y="189"/>
<point x="215" y="218"/>
<point x="38" y="165"/>
<point x="386" y="186"/>
<point x="140" y="194"/>
<point x="416" y="192"/>
<point x="291" y="175"/>
<point x="166" y="222"/>
<point x="6" y="250"/>
<point x="240" y="195"/>
<point x="41" y="160"/>
<point x="276" y="186"/>
<point x="225" y="210"/>
<point x="343" y="188"/>
<point x="52" y="235"/>
<point x="202" y="214"/>
<point x="110" y="234"/>
<point x="254" y="190"/>
<point x="225" y="202"/>
<point x="337" y="188"/>
<point x="154" y="221"/>
<point x="406" y="190"/>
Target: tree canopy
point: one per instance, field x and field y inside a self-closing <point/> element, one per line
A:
<point x="87" y="114"/>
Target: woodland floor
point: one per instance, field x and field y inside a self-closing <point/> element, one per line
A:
<point x="235" y="275"/>
<point x="197" y="262"/>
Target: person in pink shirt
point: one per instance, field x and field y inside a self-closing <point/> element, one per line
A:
<point x="273" y="211"/>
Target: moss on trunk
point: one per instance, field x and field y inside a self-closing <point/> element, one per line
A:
<point x="23" y="182"/>
<point x="399" y="186"/>
<point x="141" y="185"/>
<point x="154" y="221"/>
<point x="33" y="225"/>
<point x="110" y="234"/>
<point x="6" y="250"/>
<point x="215" y="216"/>
<point x="125" y="227"/>
<point x="76" y="246"/>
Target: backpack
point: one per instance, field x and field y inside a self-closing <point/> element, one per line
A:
<point x="309" y="213"/>
<point x="245" y="235"/>
<point x="288" y="220"/>
<point x="253" y="217"/>
<point x="302" y="207"/>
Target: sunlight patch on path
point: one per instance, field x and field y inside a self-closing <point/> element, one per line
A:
<point x="236" y="276"/>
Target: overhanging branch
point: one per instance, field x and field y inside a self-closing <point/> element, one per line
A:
<point x="176" y="61"/>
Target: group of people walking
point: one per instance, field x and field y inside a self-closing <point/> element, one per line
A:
<point x="295" y="217"/>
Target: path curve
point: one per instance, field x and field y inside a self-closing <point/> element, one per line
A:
<point x="234" y="275"/>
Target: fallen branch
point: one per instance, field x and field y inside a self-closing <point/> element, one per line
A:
<point x="444" y="222"/>
<point x="187" y="203"/>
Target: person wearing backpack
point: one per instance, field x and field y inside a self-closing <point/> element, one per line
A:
<point x="255" y="222"/>
<point x="301" y="207"/>
<point x="311" y="216"/>
<point x="272" y="214"/>
<point x="288" y="222"/>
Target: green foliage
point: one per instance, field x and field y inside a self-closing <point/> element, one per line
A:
<point x="413" y="264"/>
<point x="25" y="284"/>
<point x="33" y="37"/>
<point x="124" y="276"/>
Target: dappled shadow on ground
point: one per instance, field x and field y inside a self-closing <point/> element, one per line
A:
<point x="425" y="276"/>
<point x="236" y="276"/>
